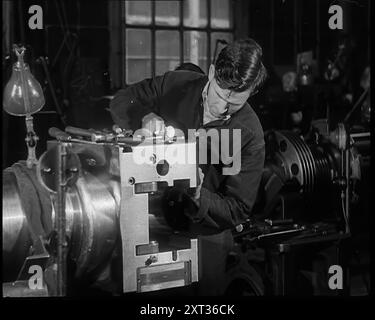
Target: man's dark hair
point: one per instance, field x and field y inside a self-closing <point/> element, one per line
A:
<point x="239" y="66"/>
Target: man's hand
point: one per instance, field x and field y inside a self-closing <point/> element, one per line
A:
<point x="153" y="124"/>
<point x="179" y="204"/>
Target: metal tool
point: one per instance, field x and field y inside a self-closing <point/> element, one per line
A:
<point x="100" y="136"/>
<point x="59" y="134"/>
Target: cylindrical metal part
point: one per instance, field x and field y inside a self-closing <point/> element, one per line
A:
<point x="91" y="134"/>
<point x="58" y="134"/>
<point x="91" y="207"/>
<point x="78" y="131"/>
<point x="129" y="140"/>
<point x="16" y="235"/>
<point x="309" y="165"/>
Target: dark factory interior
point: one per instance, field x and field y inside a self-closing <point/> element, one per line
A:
<point x="308" y="233"/>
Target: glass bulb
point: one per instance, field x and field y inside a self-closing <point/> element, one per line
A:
<point x="23" y="94"/>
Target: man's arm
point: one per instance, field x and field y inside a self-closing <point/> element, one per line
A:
<point x="130" y="105"/>
<point x="233" y="205"/>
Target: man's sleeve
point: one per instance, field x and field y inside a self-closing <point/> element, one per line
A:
<point x="232" y="206"/>
<point x="130" y="105"/>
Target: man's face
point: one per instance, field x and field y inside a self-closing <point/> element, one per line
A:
<point x="222" y="102"/>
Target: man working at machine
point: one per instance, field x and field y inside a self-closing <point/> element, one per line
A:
<point x="189" y="100"/>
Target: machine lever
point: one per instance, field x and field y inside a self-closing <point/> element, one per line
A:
<point x="78" y="131"/>
<point x="91" y="134"/>
<point x="58" y="134"/>
<point x="129" y="140"/>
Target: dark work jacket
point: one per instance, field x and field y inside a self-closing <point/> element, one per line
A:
<point x="225" y="200"/>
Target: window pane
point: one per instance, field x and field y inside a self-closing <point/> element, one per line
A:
<point x="195" y="48"/>
<point x="195" y="13"/>
<point x="167" y="13"/>
<point x="138" y="12"/>
<point x="221" y="14"/>
<point x="138" y="55"/>
<point x="216" y="44"/>
<point x="167" y="51"/>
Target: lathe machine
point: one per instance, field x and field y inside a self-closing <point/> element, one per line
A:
<point x="91" y="213"/>
<point x="104" y="203"/>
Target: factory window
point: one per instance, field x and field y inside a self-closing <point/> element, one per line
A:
<point x="160" y="35"/>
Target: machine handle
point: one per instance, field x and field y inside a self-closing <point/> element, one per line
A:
<point x="79" y="132"/>
<point x="129" y="140"/>
<point x="58" y="134"/>
<point x="91" y="134"/>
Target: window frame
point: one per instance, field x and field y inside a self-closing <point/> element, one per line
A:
<point x="153" y="28"/>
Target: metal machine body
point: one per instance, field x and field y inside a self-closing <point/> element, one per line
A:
<point x="144" y="267"/>
<point x="107" y="211"/>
